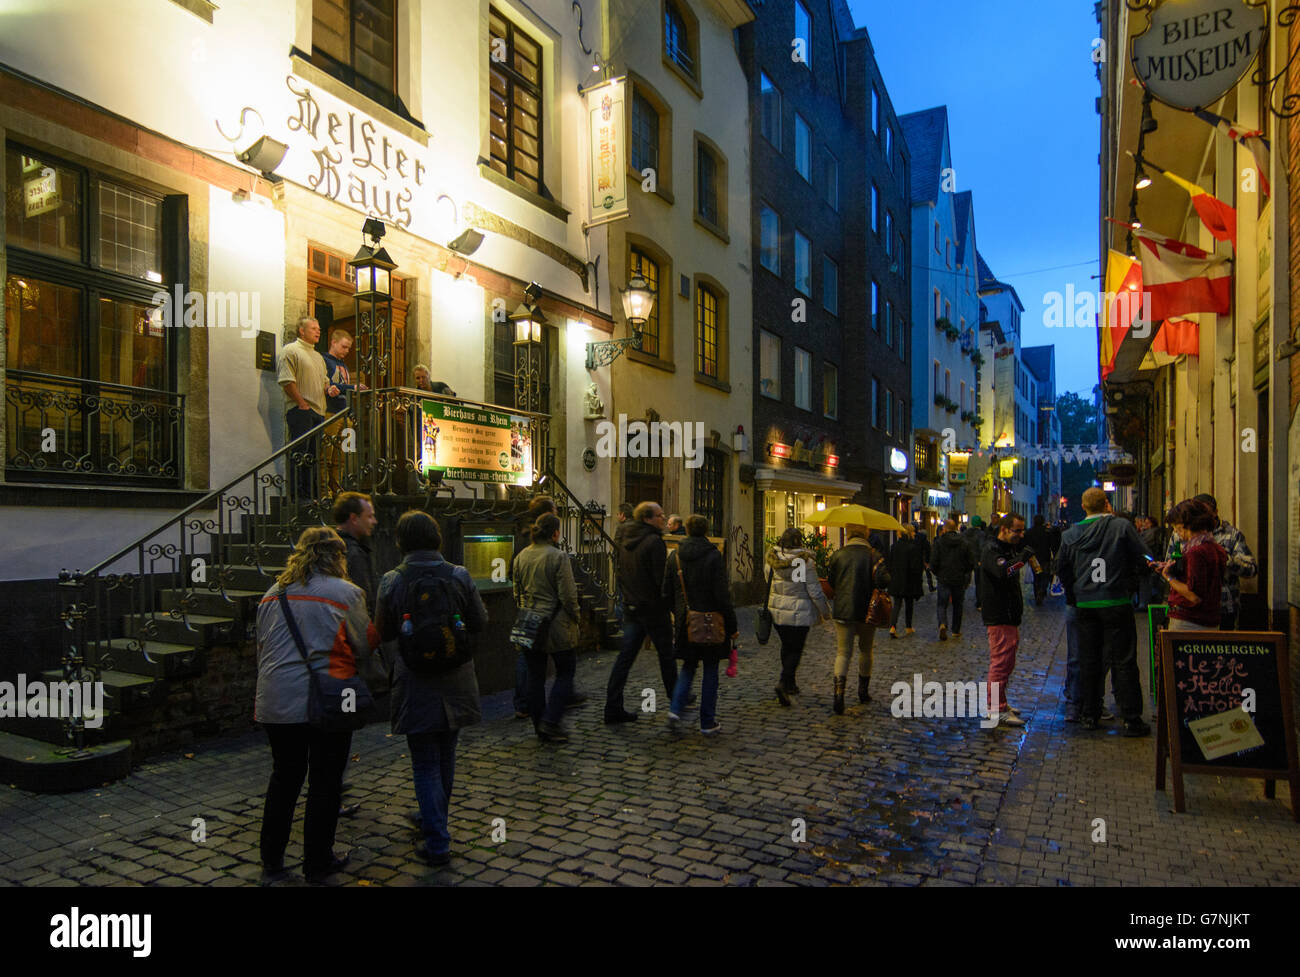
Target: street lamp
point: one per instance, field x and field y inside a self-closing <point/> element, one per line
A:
<point x="638" y="302"/>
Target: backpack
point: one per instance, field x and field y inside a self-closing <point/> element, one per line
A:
<point x="436" y="643"/>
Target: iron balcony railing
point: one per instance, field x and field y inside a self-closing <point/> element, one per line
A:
<point x="82" y="430"/>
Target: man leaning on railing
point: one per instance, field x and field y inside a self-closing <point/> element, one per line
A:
<point x="303" y="379"/>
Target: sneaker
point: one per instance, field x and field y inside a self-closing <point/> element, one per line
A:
<point x="1136" y="727"/>
<point x="1009" y="718"/>
<point x="943" y="632"/>
<point x="1106" y="715"/>
<point x="910" y="631"/>
<point x="674" y="723"/>
<point x="893" y="632"/>
<point x="711" y="730"/>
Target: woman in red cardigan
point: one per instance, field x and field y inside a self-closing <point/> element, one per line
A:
<point x="1196" y="579"/>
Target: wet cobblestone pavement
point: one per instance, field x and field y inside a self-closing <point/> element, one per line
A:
<point x="929" y="801"/>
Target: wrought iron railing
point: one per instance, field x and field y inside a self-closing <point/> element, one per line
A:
<point x="583" y="534"/>
<point x="373" y="447"/>
<point x="77" y="429"/>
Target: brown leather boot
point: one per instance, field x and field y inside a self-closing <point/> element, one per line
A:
<point x="863" y="695"/>
<point x="838" y="705"/>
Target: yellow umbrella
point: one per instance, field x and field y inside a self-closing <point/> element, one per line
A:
<point x="855" y="515"/>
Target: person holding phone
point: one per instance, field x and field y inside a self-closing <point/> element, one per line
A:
<point x="1195" y="580"/>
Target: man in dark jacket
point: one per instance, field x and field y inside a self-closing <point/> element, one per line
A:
<point x="642" y="557"/>
<point x="1039" y="539"/>
<point x="857" y="568"/>
<point x="1004" y="557"/>
<point x="923" y="546"/>
<point x="1097" y="559"/>
<point x="952" y="562"/>
<point x="976" y="539"/>
<point x="354" y="519"/>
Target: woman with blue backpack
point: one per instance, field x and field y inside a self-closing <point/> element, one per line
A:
<point x="432" y="609"/>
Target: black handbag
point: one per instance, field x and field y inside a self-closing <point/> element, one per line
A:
<point x="336" y="705"/>
<point x="530" y="630"/>
<point x="763" y="627"/>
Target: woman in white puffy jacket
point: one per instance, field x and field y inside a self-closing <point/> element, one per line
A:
<point x="796" y="603"/>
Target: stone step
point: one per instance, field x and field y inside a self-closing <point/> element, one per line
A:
<point x="242" y="603"/>
<point x="157" y="659"/>
<point x="242" y="576"/>
<point x="49" y="729"/>
<point x="31" y="764"/>
<point x="123" y="691"/>
<point x="203" y="630"/>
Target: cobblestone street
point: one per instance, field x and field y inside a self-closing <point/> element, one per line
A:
<point x="898" y="801"/>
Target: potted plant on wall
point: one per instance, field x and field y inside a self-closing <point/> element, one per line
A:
<point x="977" y="358"/>
<point x="943" y="323"/>
<point x="821" y="551"/>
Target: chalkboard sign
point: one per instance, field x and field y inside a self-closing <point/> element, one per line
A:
<point x="1225" y="708"/>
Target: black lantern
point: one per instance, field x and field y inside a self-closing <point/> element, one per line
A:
<point x="638" y="302"/>
<point x="527" y="323"/>
<point x="373" y="273"/>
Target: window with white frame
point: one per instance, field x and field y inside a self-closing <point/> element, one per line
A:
<point x="802" y="264"/>
<point x="802" y="147"/>
<point x="830" y="390"/>
<point x="770" y="98"/>
<point x="769" y="254"/>
<point x="802" y="379"/>
<point x="769" y="362"/>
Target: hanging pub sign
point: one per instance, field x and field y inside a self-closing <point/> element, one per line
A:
<point x="958" y="468"/>
<point x="475" y="444"/>
<point x="608" y="193"/>
<point x="1194" y="51"/>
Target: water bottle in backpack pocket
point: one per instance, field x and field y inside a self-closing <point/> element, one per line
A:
<point x="433" y="637"/>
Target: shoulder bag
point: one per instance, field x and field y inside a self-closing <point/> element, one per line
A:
<point x="702" y="627"/>
<point x="531" y="629"/>
<point x="881" y="608"/>
<point x="334" y="705"/>
<point x="763" y="628"/>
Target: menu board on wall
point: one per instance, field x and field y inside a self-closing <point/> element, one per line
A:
<point x="475" y="444"/>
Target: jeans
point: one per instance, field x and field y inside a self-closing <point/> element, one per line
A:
<point x="1108" y="639"/>
<point x="957" y="597"/>
<point x="433" y="769"/>
<point x="521" y="684"/>
<point x="542" y="709"/>
<point x="1004" y="640"/>
<point x="898" y="610"/>
<point x="845" y="631"/>
<point x="300" y="422"/>
<point x="298" y="751"/>
<point x="708" y="688"/>
<point x="635" y="628"/>
<point x="1073" y="673"/>
<point x="793" y="637"/>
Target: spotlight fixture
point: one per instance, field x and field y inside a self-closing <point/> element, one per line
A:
<point x="264" y="156"/>
<point x="1143" y="179"/>
<point x="467" y="242"/>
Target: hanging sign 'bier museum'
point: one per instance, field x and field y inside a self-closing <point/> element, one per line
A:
<point x="608" y="193"/>
<point x="1194" y="51"/>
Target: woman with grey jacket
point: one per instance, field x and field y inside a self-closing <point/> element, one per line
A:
<point x="430" y="708"/>
<point x="796" y="601"/>
<point x="330" y="615"/>
<point x="544" y="583"/>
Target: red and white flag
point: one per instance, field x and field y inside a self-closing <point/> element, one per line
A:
<point x="1252" y="139"/>
<point x="1180" y="278"/>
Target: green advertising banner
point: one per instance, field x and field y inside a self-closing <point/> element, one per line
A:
<point x="475" y="444"/>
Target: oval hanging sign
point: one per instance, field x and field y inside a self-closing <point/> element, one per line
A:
<point x="1195" y="51"/>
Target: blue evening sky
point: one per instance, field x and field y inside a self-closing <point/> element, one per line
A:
<point x="1018" y="79"/>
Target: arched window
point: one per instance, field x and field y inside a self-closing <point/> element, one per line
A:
<point x="649" y="268"/>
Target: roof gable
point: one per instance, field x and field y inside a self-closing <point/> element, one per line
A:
<point x="926" y="134"/>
